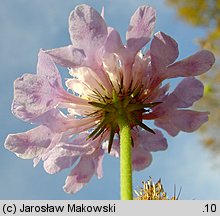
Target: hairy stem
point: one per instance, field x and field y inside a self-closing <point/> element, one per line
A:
<point x="125" y="158"/>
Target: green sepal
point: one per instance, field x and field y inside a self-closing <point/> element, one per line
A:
<point x="99" y="132"/>
<point x="153" y="104"/>
<point x="132" y="142"/>
<point x="111" y="137"/>
<point x="136" y="92"/>
<point x="134" y="107"/>
<point x="141" y="124"/>
<point x="128" y="99"/>
<point x="115" y="97"/>
<point x="105" y="107"/>
<point x="100" y="126"/>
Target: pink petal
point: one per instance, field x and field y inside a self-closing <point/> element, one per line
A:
<point x="86" y="124"/>
<point x="115" y="150"/>
<point x="47" y="69"/>
<point x="67" y="56"/>
<point x="194" y="65"/>
<point x="66" y="98"/>
<point x="149" y="141"/>
<point x="114" y="46"/>
<point x="182" y="120"/>
<point x="188" y="120"/>
<point x="58" y="160"/>
<point x="140" y="158"/>
<point x="87" y="28"/>
<point x="103" y="12"/>
<point x="153" y="142"/>
<point x="89" y="78"/>
<point x="98" y="159"/>
<point x="30" y="144"/>
<point x="159" y="94"/>
<point x="81" y="110"/>
<point x="32" y="97"/>
<point x="140" y="28"/>
<point x="58" y="122"/>
<point x="54" y="120"/>
<point x="36" y="161"/>
<point x="68" y="151"/>
<point x="186" y="93"/>
<point x="162" y="109"/>
<point x="139" y="70"/>
<point x="79" y="87"/>
<point x="80" y="175"/>
<point x="163" y="49"/>
<point x="167" y="125"/>
<point x="56" y="140"/>
<point x="81" y="145"/>
<point x="113" y="43"/>
<point x="112" y="67"/>
<point x="127" y="61"/>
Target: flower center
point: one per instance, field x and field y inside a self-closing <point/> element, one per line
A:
<point x="128" y="106"/>
<point x="108" y="104"/>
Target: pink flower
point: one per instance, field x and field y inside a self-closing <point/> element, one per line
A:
<point x="105" y="76"/>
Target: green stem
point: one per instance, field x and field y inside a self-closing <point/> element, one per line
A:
<point x="125" y="158"/>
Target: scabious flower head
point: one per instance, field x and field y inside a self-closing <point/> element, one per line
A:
<point x="152" y="191"/>
<point x="107" y="78"/>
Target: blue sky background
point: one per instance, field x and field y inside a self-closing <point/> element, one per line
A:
<point x="26" y="26"/>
